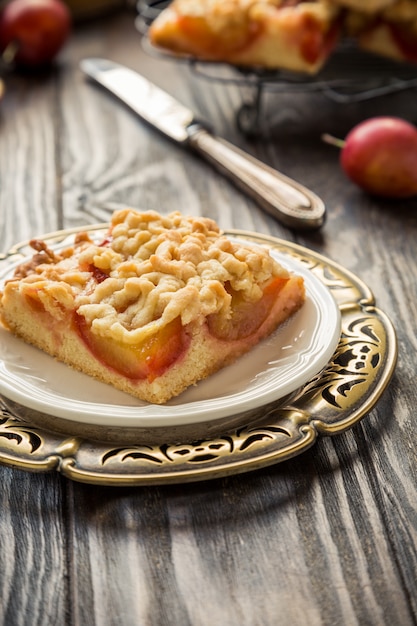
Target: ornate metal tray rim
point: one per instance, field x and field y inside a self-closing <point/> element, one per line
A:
<point x="336" y="399"/>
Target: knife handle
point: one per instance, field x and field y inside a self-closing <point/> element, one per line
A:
<point x="286" y="200"/>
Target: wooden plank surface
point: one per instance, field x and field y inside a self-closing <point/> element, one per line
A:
<point x="327" y="538"/>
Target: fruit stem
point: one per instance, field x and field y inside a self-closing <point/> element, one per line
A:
<point x="333" y="141"/>
<point x="9" y="54"/>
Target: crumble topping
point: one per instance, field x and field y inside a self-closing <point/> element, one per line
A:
<point x="149" y="270"/>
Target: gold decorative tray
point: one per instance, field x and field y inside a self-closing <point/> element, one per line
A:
<point x="330" y="403"/>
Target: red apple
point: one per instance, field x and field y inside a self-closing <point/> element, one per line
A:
<point x="34" y="31"/>
<point x="380" y="155"/>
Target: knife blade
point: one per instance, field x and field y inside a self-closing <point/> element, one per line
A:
<point x="285" y="199"/>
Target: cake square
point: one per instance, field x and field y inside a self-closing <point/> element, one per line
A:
<point x="160" y="303"/>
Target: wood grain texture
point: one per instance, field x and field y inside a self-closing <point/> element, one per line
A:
<point x="326" y="539"/>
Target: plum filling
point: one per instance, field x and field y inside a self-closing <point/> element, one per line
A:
<point x="146" y="360"/>
<point x="314" y="43"/>
<point x="247" y="317"/>
<point x="35" y="304"/>
<point x="98" y="274"/>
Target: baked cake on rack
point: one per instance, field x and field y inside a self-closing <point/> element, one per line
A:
<point x="158" y="304"/>
<point x="296" y="35"/>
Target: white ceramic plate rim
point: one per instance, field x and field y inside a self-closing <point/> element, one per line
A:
<point x="30" y="378"/>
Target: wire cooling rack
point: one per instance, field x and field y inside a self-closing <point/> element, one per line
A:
<point x="350" y="75"/>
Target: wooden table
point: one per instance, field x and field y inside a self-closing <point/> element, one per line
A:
<point x="328" y="537"/>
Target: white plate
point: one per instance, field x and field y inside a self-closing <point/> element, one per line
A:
<point x="279" y="365"/>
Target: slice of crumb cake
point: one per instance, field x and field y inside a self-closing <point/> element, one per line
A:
<point x="159" y="304"/>
<point x="295" y="35"/>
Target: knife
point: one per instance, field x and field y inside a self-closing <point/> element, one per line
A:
<point x="285" y="199"/>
